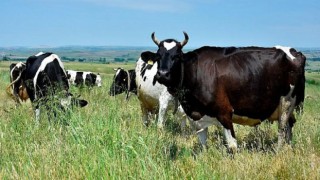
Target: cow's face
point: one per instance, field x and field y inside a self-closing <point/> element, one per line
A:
<point x="120" y="82"/>
<point x="168" y="57"/>
<point x="69" y="100"/>
<point x="98" y="80"/>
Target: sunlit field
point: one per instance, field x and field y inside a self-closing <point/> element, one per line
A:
<point x="107" y="140"/>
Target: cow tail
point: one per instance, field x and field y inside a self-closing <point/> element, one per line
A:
<point x="128" y="89"/>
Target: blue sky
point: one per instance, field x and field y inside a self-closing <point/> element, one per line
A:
<point x="38" y="23"/>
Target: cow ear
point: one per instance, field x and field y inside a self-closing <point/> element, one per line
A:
<point x="147" y="56"/>
<point x="82" y="102"/>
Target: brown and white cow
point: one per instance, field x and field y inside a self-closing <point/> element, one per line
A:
<point x="234" y="85"/>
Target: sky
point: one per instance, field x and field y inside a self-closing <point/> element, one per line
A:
<point x="54" y="23"/>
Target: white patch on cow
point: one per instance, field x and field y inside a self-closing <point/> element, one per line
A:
<point x="43" y="65"/>
<point x="84" y="75"/>
<point x="146" y="87"/>
<point x="170" y="45"/>
<point x="287" y="51"/>
<point x="205" y="122"/>
<point x="72" y="77"/>
<point x="118" y="71"/>
<point x="39" y="54"/>
<point x="231" y="142"/>
<point x="98" y="80"/>
<point x="65" y="102"/>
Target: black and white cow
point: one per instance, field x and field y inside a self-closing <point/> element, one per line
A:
<point x="17" y="89"/>
<point x="47" y="84"/>
<point x="234" y="85"/>
<point x="123" y="81"/>
<point x="154" y="97"/>
<point x="84" y="78"/>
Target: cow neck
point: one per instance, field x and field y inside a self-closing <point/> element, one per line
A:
<point x="179" y="89"/>
<point x="128" y="89"/>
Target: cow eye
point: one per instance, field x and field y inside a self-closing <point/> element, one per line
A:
<point x="175" y="58"/>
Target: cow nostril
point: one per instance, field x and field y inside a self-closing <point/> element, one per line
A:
<point x="163" y="73"/>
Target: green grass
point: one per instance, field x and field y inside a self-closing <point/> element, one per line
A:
<point x="106" y="140"/>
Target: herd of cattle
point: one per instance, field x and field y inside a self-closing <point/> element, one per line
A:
<point x="206" y="86"/>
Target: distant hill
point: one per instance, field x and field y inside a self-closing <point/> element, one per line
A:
<point x="102" y="54"/>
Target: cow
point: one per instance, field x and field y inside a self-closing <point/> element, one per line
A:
<point x="16" y="89"/>
<point x="123" y="81"/>
<point x="154" y="97"/>
<point x="83" y="78"/>
<point x="47" y="85"/>
<point x="226" y="85"/>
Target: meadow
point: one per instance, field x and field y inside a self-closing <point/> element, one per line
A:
<point x="107" y="140"/>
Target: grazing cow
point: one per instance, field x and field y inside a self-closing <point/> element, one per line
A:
<point x="17" y="86"/>
<point x="47" y="84"/>
<point x="123" y="81"/>
<point x="83" y="78"/>
<point x="234" y="85"/>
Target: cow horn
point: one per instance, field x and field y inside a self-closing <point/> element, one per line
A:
<point x="155" y="40"/>
<point x="8" y="87"/>
<point x="186" y="38"/>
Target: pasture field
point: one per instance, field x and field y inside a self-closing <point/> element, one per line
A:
<point x="106" y="140"/>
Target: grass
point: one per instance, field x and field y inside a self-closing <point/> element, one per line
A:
<point x="106" y="140"/>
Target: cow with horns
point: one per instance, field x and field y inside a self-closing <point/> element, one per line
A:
<point x="226" y="85"/>
<point x="47" y="85"/>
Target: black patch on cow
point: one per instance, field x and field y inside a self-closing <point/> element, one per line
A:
<point x="79" y="79"/>
<point x="145" y="66"/>
<point x="144" y="79"/>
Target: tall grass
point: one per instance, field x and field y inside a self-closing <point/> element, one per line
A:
<point x="107" y="140"/>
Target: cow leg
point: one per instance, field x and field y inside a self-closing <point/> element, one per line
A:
<point x="230" y="138"/>
<point x="145" y="118"/>
<point x="284" y="129"/>
<point x="203" y="135"/>
<point x="225" y="118"/>
<point x="164" y="100"/>
<point x="37" y="114"/>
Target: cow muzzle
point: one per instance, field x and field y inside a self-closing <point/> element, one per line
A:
<point x="163" y="76"/>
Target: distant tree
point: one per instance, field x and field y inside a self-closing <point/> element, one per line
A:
<point x="6" y="58"/>
<point x="118" y="59"/>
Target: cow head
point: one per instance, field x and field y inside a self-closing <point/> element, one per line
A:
<point x="169" y="57"/>
<point x="120" y="82"/>
<point x="70" y="100"/>
<point x="16" y="82"/>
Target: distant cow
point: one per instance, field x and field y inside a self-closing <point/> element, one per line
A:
<point x="47" y="84"/>
<point x="83" y="78"/>
<point x="235" y="85"/>
<point x="19" y="92"/>
<point x="123" y="81"/>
